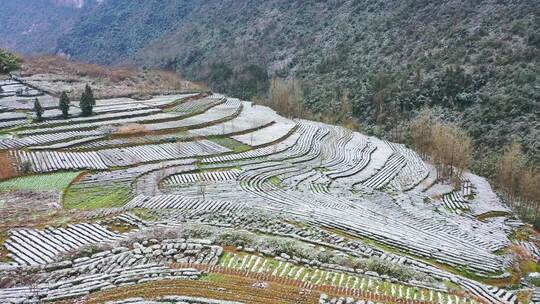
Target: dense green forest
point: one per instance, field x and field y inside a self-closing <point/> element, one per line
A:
<point x="474" y="62"/>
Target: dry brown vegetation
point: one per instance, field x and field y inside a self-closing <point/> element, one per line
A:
<point x="450" y="149"/>
<point x="286" y="97"/>
<point x="28" y="207"/>
<point x="7" y="170"/>
<point x="55" y="74"/>
<point x="523" y="263"/>
<point x="520" y="182"/>
<point x="60" y="65"/>
<point x="131" y="129"/>
<point x="445" y="144"/>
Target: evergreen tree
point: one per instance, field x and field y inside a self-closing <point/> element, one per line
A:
<point x="64" y="105"/>
<point x="83" y="104"/>
<point x="90" y="95"/>
<point x="38" y="109"/>
<point x="87" y="101"/>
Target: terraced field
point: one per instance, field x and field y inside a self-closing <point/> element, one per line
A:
<point x="46" y="182"/>
<point x="203" y="179"/>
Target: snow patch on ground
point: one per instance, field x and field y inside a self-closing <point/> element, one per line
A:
<point x="485" y="199"/>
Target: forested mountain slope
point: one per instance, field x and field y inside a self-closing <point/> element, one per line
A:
<point x="475" y="62"/>
<point x="34" y="26"/>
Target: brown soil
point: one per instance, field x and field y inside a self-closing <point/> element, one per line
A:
<point x="7" y="166"/>
<point x="131" y="129"/>
<point x="224" y="287"/>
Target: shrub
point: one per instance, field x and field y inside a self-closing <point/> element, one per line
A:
<point x="534" y="280"/>
<point x="9" y="62"/>
<point x="84" y="251"/>
<point x="38" y="109"/>
<point x="394" y="270"/>
<point x="233" y="238"/>
<point x="64" y="105"/>
<point x="26" y="166"/>
<point x="87" y="101"/>
<point x="324" y="256"/>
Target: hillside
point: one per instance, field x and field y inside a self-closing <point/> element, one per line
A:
<point x="348" y="151"/>
<point x="56" y="74"/>
<point x="208" y="196"/>
<point x="476" y="62"/>
<point x="33" y="27"/>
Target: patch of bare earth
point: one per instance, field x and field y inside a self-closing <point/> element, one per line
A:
<point x="7" y="169"/>
<point x="23" y="207"/>
<point x="131" y="129"/>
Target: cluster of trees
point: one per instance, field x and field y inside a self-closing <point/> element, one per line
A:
<point x="246" y="81"/>
<point x="9" y="62"/>
<point x="86" y="104"/>
<point x="519" y="181"/>
<point x="286" y="97"/>
<point x="445" y="144"/>
<point x="512" y="171"/>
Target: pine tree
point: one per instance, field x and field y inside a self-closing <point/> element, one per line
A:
<point x="87" y="101"/>
<point x="64" y="105"/>
<point x="83" y="104"/>
<point x="90" y="95"/>
<point x="38" y="109"/>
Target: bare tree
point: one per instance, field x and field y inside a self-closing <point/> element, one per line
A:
<point x="201" y="187"/>
<point x="445" y="144"/>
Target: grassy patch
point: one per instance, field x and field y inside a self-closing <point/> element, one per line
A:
<point x="232" y="144"/>
<point x="78" y="197"/>
<point x="523" y="297"/>
<point x="451" y="285"/>
<point x="529" y="266"/>
<point x="43" y="182"/>
<point x="144" y="214"/>
<point x="274" y="180"/>
<point x="214" y="278"/>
